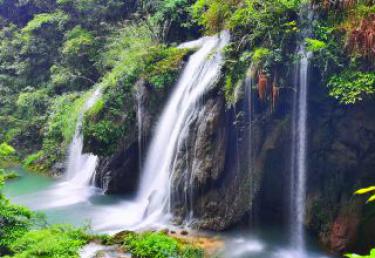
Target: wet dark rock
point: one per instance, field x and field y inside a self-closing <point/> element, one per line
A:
<point x="119" y="173"/>
<point x="341" y="160"/>
<point x="58" y="169"/>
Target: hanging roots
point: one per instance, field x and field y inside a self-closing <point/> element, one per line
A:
<point x="362" y="38"/>
<point x="275" y="95"/>
<point x="262" y="85"/>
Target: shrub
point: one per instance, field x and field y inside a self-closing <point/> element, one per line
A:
<point x="158" y="245"/>
<point x="6" y="175"/>
<point x="58" y="241"/>
<point x="32" y="158"/>
<point x="6" y="150"/>
<point x="165" y="66"/>
<point x="15" y="221"/>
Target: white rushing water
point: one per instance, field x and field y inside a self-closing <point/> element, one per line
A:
<point x="200" y="73"/>
<point x="300" y="141"/>
<point x="299" y="137"/>
<point x="76" y="186"/>
<point x="80" y="166"/>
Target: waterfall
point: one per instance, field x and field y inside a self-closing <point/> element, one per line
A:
<point x="299" y="148"/>
<point x="249" y="109"/>
<point x="140" y="128"/>
<point x="200" y="74"/>
<point x="81" y="167"/>
<point x="300" y="141"/>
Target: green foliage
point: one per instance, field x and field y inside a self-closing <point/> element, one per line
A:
<point x="95" y="11"/>
<point x="213" y="14"/>
<point x="370" y="255"/>
<point x="78" y="41"/>
<point x="167" y="17"/>
<point x="15" y="220"/>
<point x="260" y="56"/>
<point x="159" y="245"/>
<point x="32" y="159"/>
<point x="104" y="135"/>
<point x="6" y="150"/>
<point x="263" y="33"/>
<point x="63" y="116"/>
<point x="132" y="55"/>
<point x="165" y="66"/>
<point x="58" y="19"/>
<point x="59" y="130"/>
<point x="59" y="241"/>
<point x="350" y="87"/>
<point x="21" y="235"/>
<point x="33" y="103"/>
<point x="315" y="45"/>
<point x="95" y="109"/>
<point x="7" y="175"/>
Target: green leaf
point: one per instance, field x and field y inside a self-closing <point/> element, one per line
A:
<point x="371" y="199"/>
<point x="365" y="190"/>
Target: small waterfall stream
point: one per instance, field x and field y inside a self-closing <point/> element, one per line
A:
<point x="80" y="166"/>
<point x="200" y="73"/>
<point x="300" y="144"/>
<point x="299" y="155"/>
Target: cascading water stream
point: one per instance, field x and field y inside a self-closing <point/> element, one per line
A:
<point x="300" y="154"/>
<point x="299" y="149"/>
<point x="200" y="73"/>
<point x="80" y="166"/>
<point x="80" y="169"/>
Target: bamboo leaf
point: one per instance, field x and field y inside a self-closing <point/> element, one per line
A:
<point x="365" y="190"/>
<point x="371" y="199"/>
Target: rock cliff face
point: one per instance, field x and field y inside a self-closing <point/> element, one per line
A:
<point x="219" y="170"/>
<point x="228" y="169"/>
<point x="221" y="177"/>
<point x="341" y="160"/>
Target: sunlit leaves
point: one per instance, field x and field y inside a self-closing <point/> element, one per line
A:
<point x="6" y="150"/>
<point x="58" y="19"/>
<point x="78" y="41"/>
<point x="350" y="87"/>
<point x="315" y="45"/>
